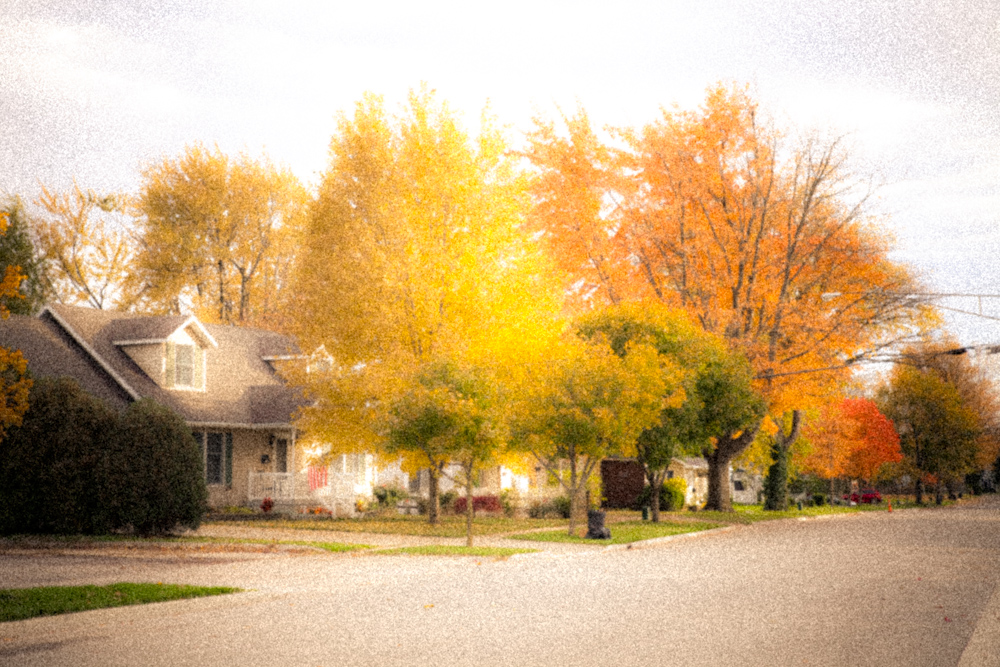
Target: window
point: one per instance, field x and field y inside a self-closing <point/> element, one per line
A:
<point x="738" y="485"/>
<point x="184" y="366"/>
<point x="216" y="456"/>
<point x="213" y="459"/>
<point x="281" y="455"/>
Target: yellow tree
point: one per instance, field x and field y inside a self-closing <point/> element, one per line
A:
<point x="85" y="250"/>
<point x="216" y="234"/>
<point x="414" y="252"/>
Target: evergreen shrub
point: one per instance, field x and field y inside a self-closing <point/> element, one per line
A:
<point x="74" y="466"/>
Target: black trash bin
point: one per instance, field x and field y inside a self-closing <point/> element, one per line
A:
<point x="596" y="530"/>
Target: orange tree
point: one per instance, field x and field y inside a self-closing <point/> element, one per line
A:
<point x="14" y="381"/>
<point x="763" y="241"/>
<point x="851" y="438"/>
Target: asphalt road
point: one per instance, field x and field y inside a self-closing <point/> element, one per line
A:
<point x="906" y="588"/>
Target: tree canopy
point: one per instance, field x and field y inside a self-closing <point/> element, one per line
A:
<point x="85" y="250"/>
<point x="587" y="403"/>
<point x="217" y="235"/>
<point x="716" y="400"/>
<point x="413" y="253"/>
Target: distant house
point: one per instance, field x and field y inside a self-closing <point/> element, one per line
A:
<point x="220" y="379"/>
<point x="623" y="480"/>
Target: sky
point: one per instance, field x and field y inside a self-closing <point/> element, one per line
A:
<point x="95" y="91"/>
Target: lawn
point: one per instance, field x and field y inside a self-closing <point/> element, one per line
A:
<point x="624" y="532"/>
<point x="20" y="603"/>
<point x="400" y="524"/>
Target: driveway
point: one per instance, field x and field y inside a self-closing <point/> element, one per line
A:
<point x="906" y="588"/>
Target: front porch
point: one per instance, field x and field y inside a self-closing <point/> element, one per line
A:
<point x="295" y="492"/>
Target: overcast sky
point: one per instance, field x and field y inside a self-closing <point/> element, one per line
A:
<point x="96" y="90"/>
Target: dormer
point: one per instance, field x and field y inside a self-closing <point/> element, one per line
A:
<point x="173" y="352"/>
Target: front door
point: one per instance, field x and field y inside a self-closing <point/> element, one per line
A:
<point x="281" y="455"/>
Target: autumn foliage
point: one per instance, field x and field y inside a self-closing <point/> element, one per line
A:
<point x="852" y="439"/>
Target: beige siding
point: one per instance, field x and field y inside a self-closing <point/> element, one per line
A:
<point x="248" y="448"/>
<point x="149" y="358"/>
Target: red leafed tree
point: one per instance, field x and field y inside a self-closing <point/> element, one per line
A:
<point x="877" y="442"/>
<point x="852" y="439"/>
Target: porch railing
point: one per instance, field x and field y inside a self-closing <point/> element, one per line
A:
<point x="273" y="485"/>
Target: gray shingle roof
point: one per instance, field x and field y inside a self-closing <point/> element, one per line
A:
<point x="241" y="387"/>
<point x="51" y="353"/>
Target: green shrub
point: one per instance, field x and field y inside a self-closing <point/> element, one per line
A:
<point x="447" y="500"/>
<point x="672" y="494"/>
<point x="75" y="467"/>
<point x="554" y="507"/>
<point x="159" y="467"/>
<point x="388" y="496"/>
<point x="819" y="499"/>
<point x="51" y="466"/>
<point x="510" y="501"/>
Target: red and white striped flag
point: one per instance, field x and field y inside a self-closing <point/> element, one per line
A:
<point x="317" y="477"/>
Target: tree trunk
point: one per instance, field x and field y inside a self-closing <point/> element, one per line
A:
<point x="470" y="510"/>
<point x="727" y="447"/>
<point x="776" y="486"/>
<point x="654" y="497"/>
<point x="433" y="502"/>
<point x="918" y="492"/>
<point x="574" y="494"/>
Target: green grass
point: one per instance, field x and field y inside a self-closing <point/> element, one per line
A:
<point x="333" y="547"/>
<point x="20" y="603"/>
<point x="450" y="526"/>
<point x="446" y="550"/>
<point x="624" y="532"/>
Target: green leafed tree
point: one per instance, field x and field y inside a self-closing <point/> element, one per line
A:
<point x="448" y="417"/>
<point x="17" y="253"/>
<point x="717" y="398"/>
<point x="939" y="429"/>
<point x="587" y="403"/>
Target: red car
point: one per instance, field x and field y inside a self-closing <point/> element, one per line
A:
<point x="866" y="496"/>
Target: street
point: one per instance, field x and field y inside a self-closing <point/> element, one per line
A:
<point x="902" y="588"/>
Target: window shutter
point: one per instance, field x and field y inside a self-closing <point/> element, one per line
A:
<point x="200" y="438"/>
<point x="199" y="368"/>
<point x="169" y="356"/>
<point x="229" y="459"/>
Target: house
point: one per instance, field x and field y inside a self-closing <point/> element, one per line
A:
<point x="694" y="471"/>
<point x="221" y="380"/>
<point x="624" y="478"/>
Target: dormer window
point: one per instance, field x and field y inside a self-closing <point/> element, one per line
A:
<point x="184" y="366"/>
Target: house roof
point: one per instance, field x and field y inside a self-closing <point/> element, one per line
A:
<point x="242" y="389"/>
<point x="146" y="330"/>
<point x="51" y="352"/>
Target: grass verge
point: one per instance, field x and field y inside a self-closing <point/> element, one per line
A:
<point x="623" y="533"/>
<point x="333" y="547"/>
<point x="450" y="526"/>
<point x="20" y="603"/>
<point x="447" y="550"/>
